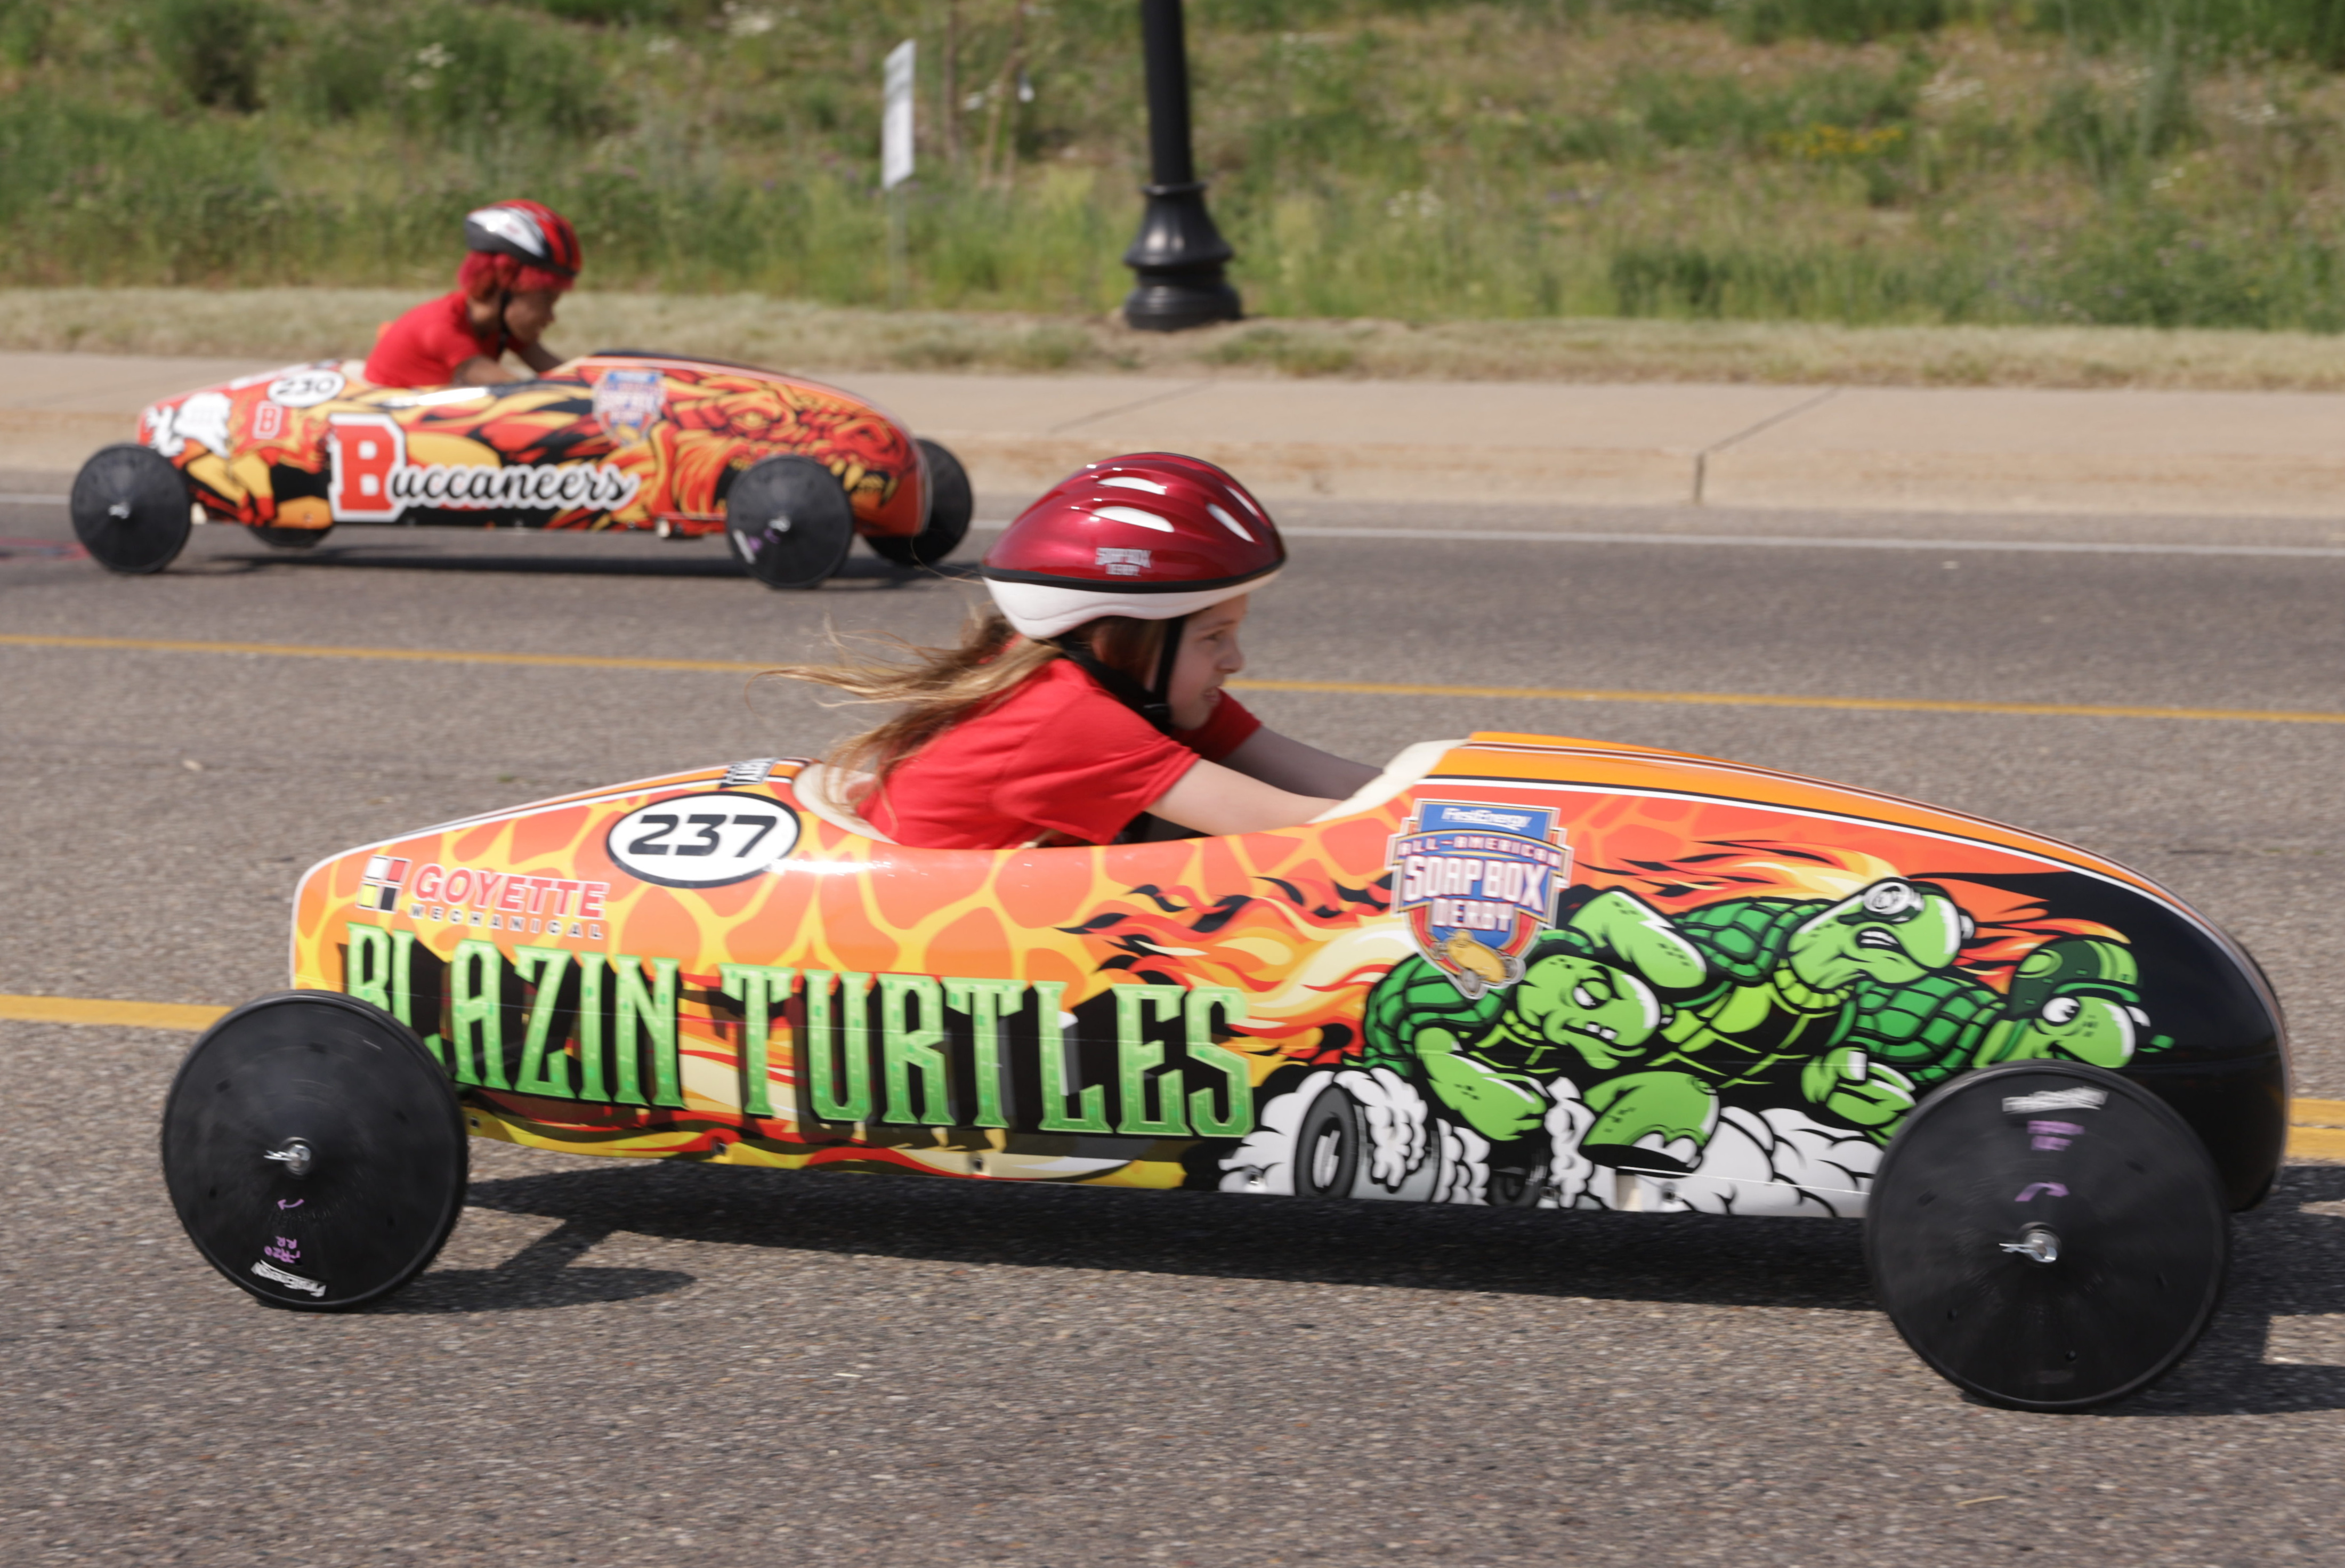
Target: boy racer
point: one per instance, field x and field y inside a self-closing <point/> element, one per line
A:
<point x="521" y="257"/>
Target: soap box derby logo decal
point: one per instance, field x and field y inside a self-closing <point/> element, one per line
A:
<point x="628" y="402"/>
<point x="1476" y="883"/>
<point x="374" y="482"/>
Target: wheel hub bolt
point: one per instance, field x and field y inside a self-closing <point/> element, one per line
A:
<point x="2037" y="1242"/>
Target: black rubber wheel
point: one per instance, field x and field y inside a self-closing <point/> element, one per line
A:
<point x="950" y="506"/>
<point x="790" y="521"/>
<point x="1328" y="1146"/>
<point x="2047" y="1235"/>
<point x="1519" y="1172"/>
<point x="131" y="509"/>
<point x="292" y="538"/>
<point x="314" y="1151"/>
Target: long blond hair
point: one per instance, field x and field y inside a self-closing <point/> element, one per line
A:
<point x="941" y="686"/>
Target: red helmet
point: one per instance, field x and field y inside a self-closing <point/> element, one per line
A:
<point x="534" y="235"/>
<point x="1153" y="535"/>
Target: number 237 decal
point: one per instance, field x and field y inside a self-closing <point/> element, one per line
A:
<point x="703" y="840"/>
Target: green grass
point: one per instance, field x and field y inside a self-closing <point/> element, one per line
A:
<point x="2156" y="163"/>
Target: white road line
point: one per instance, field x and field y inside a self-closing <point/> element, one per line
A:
<point x="1712" y="541"/>
<point x="1804" y="542"/>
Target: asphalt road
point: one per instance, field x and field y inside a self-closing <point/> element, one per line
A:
<point x="633" y="1363"/>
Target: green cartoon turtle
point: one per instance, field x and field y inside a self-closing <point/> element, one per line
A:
<point x="2075" y="998"/>
<point x="1582" y="1010"/>
<point x="1773" y="1023"/>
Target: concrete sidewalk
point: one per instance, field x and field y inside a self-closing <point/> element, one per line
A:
<point x="1862" y="449"/>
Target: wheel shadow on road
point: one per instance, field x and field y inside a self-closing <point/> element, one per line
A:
<point x="2288" y="1261"/>
<point x="543" y="558"/>
<point x="539" y="1275"/>
<point x="1702" y="1259"/>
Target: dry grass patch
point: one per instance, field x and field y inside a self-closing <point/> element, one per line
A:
<point x="315" y="323"/>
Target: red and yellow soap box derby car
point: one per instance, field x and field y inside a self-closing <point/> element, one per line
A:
<point x="1515" y="970"/>
<point x="791" y="470"/>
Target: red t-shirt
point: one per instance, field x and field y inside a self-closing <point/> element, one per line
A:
<point x="1058" y="755"/>
<point x="423" y="347"/>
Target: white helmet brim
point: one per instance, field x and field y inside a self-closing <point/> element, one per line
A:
<point x="1041" y="610"/>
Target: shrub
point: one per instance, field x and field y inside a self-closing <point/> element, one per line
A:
<point x="25" y="30"/>
<point x="468" y="70"/>
<point x="1836" y="21"/>
<point x="215" y="48"/>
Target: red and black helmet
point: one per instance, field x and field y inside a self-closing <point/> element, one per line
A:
<point x="534" y="235"/>
<point x="1153" y="535"/>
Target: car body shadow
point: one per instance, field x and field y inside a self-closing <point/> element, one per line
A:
<point x="494" y="555"/>
<point x="539" y="1275"/>
<point x="2289" y="1260"/>
<point x="1812" y="1263"/>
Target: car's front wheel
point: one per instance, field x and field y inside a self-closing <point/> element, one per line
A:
<point x="2047" y="1235"/>
<point x="952" y="505"/>
<point x="314" y="1151"/>
<point x="130" y="509"/>
<point x="790" y="521"/>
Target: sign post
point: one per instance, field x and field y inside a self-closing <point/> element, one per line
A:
<point x="896" y="155"/>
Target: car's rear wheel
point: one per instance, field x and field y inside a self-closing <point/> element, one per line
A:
<point x="291" y="538"/>
<point x="314" y="1151"/>
<point x="952" y="505"/>
<point x="790" y="521"/>
<point x="2047" y="1235"/>
<point x="1328" y="1146"/>
<point x="130" y="509"/>
<point x="1519" y="1172"/>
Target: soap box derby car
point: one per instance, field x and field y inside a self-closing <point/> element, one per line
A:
<point x="791" y="470"/>
<point x="1514" y="970"/>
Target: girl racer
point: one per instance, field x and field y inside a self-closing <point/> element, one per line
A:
<point x="521" y="257"/>
<point x="1089" y="692"/>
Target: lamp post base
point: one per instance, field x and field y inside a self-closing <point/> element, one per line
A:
<point x="1178" y="260"/>
<point x="1172" y="306"/>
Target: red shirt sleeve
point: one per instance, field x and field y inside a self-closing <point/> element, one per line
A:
<point x="1058" y="754"/>
<point x="1229" y="728"/>
<point x="1091" y="769"/>
<point x="423" y="347"/>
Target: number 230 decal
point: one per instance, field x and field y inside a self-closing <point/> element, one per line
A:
<point x="703" y="840"/>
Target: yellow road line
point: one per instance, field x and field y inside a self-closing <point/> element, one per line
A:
<point x="2317" y="1130"/>
<point x="412" y="655"/>
<point x="1336" y="688"/>
<point x="2316" y="1144"/>
<point x="1761" y="699"/>
<point x="120" y="1014"/>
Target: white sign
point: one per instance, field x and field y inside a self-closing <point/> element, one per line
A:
<point x="895" y="120"/>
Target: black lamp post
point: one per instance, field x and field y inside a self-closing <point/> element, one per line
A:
<point x="1178" y="255"/>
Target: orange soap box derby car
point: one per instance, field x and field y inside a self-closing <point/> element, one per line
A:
<point x="791" y="470"/>
<point x="1513" y="970"/>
